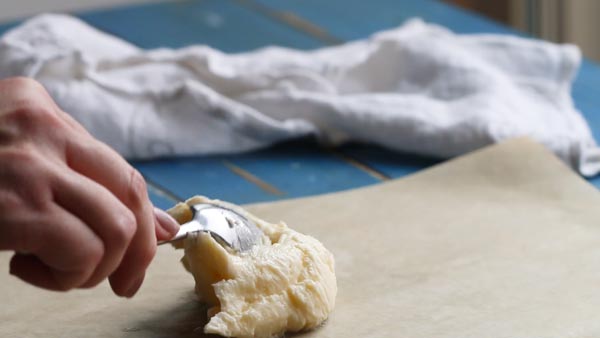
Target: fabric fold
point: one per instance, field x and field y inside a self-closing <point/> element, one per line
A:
<point x="418" y="88"/>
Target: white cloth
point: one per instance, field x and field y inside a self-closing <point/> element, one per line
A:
<point x="418" y="88"/>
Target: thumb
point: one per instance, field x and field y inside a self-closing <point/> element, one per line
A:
<point x="166" y="226"/>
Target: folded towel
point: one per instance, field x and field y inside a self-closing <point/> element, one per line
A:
<point x="418" y="88"/>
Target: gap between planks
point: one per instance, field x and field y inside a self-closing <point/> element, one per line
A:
<point x="248" y="176"/>
<point x="161" y="191"/>
<point x="304" y="26"/>
<point x="294" y="21"/>
<point x="359" y="165"/>
<point x="322" y="35"/>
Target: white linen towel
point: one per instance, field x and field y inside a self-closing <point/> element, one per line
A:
<point x="418" y="88"/>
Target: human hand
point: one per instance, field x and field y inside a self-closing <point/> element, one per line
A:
<point x="71" y="208"/>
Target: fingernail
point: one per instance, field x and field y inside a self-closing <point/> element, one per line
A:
<point x="133" y="289"/>
<point x="166" y="221"/>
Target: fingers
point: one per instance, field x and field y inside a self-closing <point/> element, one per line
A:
<point x="28" y="107"/>
<point x="22" y="92"/>
<point x="80" y="251"/>
<point x="126" y="258"/>
<point x="33" y="271"/>
<point x="130" y="274"/>
<point x="93" y="218"/>
<point x="101" y="211"/>
<point x="104" y="166"/>
<point x="166" y="226"/>
<point x="102" y="193"/>
<point x="59" y="275"/>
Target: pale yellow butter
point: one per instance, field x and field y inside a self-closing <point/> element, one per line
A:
<point x="285" y="283"/>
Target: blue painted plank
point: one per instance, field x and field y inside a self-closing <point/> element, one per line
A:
<point x="398" y="165"/>
<point x="391" y="163"/>
<point x="216" y="23"/>
<point x="159" y="200"/>
<point x="219" y="24"/>
<point x="313" y="171"/>
<point x="4" y="27"/>
<point x="297" y="171"/>
<point x="298" y="168"/>
<point x="347" y="24"/>
<point x="186" y="177"/>
<point x="349" y="20"/>
<point x="586" y="94"/>
<point x="595" y="181"/>
<point x="301" y="168"/>
<point x="351" y="23"/>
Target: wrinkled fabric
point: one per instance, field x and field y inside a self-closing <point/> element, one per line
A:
<point x="418" y="88"/>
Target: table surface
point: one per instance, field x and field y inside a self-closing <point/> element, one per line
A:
<point x="297" y="168"/>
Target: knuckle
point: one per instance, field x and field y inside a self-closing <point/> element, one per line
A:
<point x="22" y="164"/>
<point x="22" y="83"/>
<point x="10" y="202"/>
<point x="66" y="281"/>
<point x="137" y="193"/>
<point x="125" y="226"/>
<point x="30" y="114"/>
<point x="28" y="174"/>
<point x="21" y="157"/>
<point x="82" y="264"/>
<point x="30" y="104"/>
<point x="91" y="256"/>
<point x="23" y="80"/>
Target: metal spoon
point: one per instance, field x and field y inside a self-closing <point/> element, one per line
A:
<point x="228" y="227"/>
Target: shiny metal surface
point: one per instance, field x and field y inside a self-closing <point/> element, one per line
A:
<point x="227" y="226"/>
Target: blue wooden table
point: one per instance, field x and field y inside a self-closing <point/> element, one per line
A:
<point x="298" y="168"/>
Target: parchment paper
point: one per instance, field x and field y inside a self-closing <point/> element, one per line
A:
<point x="504" y="242"/>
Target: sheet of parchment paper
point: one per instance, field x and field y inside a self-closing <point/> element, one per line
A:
<point x="504" y="242"/>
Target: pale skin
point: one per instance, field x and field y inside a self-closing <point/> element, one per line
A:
<point x="74" y="212"/>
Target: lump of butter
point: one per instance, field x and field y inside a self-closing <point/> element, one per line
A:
<point x="285" y="283"/>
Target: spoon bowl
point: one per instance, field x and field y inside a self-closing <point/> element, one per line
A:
<point x="225" y="225"/>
